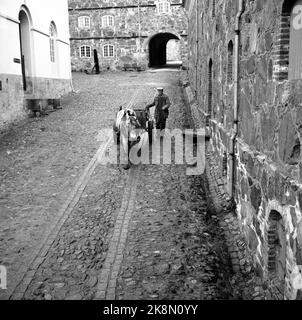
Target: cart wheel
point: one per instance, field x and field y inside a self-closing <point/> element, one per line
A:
<point x="150" y="131"/>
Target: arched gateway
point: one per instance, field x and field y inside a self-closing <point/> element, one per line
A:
<point x="158" y="48"/>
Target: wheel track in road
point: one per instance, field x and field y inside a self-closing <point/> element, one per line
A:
<point x="27" y="272"/>
<point x="108" y="278"/>
<point x="109" y="274"/>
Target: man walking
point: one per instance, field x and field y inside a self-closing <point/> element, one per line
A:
<point x="162" y="105"/>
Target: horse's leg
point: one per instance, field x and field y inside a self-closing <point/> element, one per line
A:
<point x="124" y="156"/>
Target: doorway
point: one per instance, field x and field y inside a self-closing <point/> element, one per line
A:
<point x="25" y="47"/>
<point x="158" y="49"/>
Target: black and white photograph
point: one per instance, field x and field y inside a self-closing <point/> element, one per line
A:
<point x="150" y="152"/>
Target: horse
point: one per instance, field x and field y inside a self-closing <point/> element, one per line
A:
<point x="125" y="128"/>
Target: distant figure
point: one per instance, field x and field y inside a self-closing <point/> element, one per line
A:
<point x="162" y="105"/>
<point x="96" y="67"/>
<point x="96" y="62"/>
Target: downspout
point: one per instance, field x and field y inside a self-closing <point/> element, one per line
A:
<point x="236" y="97"/>
<point x="139" y="24"/>
<point x="197" y="50"/>
<point x="139" y="30"/>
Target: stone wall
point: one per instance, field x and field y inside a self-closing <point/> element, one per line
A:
<point x="12" y="96"/>
<point x="268" y="190"/>
<point x="11" y="100"/>
<point x="47" y="88"/>
<point x="131" y="45"/>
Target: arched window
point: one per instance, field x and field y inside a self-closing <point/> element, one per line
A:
<point x="210" y="87"/>
<point x="213" y="8"/>
<point x="108" y="51"/>
<point x="84" y="22"/>
<point x="295" y="51"/>
<point x="85" y="52"/>
<point x="107" y="21"/>
<point x="230" y="62"/>
<point x="224" y="164"/>
<point x="288" y="46"/>
<point x="163" y="7"/>
<point x="52" y="42"/>
<point x="276" y="240"/>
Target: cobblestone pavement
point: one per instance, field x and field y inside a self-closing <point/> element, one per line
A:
<point x="173" y="250"/>
<point x="74" y="229"/>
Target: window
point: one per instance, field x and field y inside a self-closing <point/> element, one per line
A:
<point x="108" y="51"/>
<point x="213" y="8"/>
<point x="295" y="51"/>
<point x="85" y="52"/>
<point x="287" y="64"/>
<point x="225" y="164"/>
<point x="52" y="42"/>
<point x="163" y="7"/>
<point x="84" y="22"/>
<point x="107" y="21"/>
<point x="276" y="241"/>
<point x="230" y="62"/>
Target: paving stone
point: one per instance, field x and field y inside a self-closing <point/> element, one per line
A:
<point x="92" y="282"/>
<point x="164" y="234"/>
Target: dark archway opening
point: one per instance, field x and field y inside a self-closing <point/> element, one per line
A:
<point x="158" y="49"/>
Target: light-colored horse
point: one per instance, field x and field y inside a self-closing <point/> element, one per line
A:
<point x="127" y="125"/>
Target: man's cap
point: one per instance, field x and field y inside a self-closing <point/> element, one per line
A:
<point x="160" y="89"/>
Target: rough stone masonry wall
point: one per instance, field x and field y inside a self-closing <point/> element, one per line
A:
<point x="269" y="169"/>
<point x="125" y="34"/>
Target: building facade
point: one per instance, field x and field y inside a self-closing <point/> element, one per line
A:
<point x="34" y="56"/>
<point x="245" y="75"/>
<point x="127" y="33"/>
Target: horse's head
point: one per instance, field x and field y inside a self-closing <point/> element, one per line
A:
<point x="132" y="118"/>
<point x="127" y="122"/>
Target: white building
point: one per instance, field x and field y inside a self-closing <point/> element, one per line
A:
<point x="34" y="54"/>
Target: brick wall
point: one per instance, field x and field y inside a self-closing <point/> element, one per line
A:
<point x="268" y="148"/>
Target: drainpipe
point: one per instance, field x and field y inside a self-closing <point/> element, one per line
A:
<point x="236" y="97"/>
<point x="139" y="29"/>
<point x="197" y="51"/>
<point x="139" y="24"/>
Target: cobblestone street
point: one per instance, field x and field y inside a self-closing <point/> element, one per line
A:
<point x="74" y="229"/>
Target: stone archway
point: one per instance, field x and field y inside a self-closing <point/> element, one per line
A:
<point x="157" y="48"/>
<point x="276" y="241"/>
